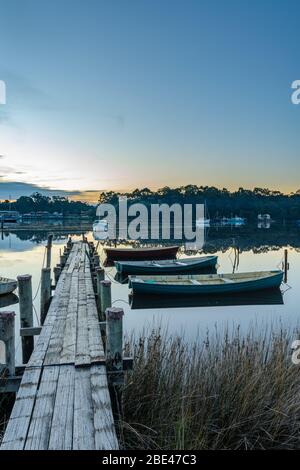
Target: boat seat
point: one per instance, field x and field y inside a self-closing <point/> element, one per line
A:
<point x="195" y="282"/>
<point x="227" y="280"/>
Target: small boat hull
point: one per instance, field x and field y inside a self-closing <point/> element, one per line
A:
<point x="7" y="286"/>
<point x="206" y="284"/>
<point x="176" y="266"/>
<point x="136" y="254"/>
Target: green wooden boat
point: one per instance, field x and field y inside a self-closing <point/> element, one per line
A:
<point x="171" y="266"/>
<point x="205" y="283"/>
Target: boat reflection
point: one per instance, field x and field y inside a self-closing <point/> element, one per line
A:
<point x="266" y="297"/>
<point x="7" y="300"/>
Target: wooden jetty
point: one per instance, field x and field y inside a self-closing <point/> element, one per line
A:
<point x="63" y="401"/>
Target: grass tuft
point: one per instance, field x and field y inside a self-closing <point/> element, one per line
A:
<point x="227" y="391"/>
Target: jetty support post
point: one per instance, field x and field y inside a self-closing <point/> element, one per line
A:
<point x="99" y="278"/>
<point x="48" y="250"/>
<point x="63" y="260"/>
<point x="286" y="265"/>
<point x="7" y="335"/>
<point x="45" y="293"/>
<point x="114" y="348"/>
<point x="91" y="247"/>
<point x="69" y="243"/>
<point x="96" y="261"/>
<point x="57" y="273"/>
<point x="26" y="313"/>
<point x="105" y="297"/>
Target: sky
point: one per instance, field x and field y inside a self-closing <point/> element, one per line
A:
<point x="119" y="94"/>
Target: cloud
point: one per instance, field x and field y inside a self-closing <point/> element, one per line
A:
<point x="16" y="189"/>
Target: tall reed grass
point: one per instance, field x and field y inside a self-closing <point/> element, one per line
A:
<point x="228" y="391"/>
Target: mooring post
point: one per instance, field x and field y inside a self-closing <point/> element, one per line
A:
<point x="7" y="335"/>
<point x="96" y="260"/>
<point x="114" y="339"/>
<point x="48" y="250"/>
<point x="63" y="260"/>
<point x="69" y="242"/>
<point x="45" y="292"/>
<point x="99" y="278"/>
<point x="105" y="297"/>
<point x="286" y="265"/>
<point x="26" y="313"/>
<point x="57" y="273"/>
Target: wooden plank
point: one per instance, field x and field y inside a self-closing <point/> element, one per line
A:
<point x="83" y="428"/>
<point x="69" y="342"/>
<point x="40" y="424"/>
<point x="30" y="331"/>
<point x="18" y="424"/>
<point x="61" y="434"/>
<point x="105" y="433"/>
<point x="82" y="352"/>
<point x="95" y="339"/>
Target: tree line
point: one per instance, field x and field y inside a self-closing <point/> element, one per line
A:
<point x="219" y="202"/>
<point x="40" y="203"/>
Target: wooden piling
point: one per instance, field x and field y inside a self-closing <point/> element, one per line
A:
<point x="63" y="259"/>
<point x="7" y="335"/>
<point x="26" y="314"/>
<point x="48" y="250"/>
<point x="45" y="293"/>
<point x="99" y="277"/>
<point x="57" y="273"/>
<point x="96" y="259"/>
<point x="114" y="339"/>
<point x="105" y="297"/>
<point x="286" y="265"/>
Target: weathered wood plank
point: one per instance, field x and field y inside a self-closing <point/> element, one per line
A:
<point x="40" y="424"/>
<point x="105" y="434"/>
<point x="18" y="425"/>
<point x="61" y="434"/>
<point x="83" y="429"/>
<point x="69" y="341"/>
<point x="82" y="351"/>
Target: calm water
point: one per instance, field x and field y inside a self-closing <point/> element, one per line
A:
<point x="260" y="249"/>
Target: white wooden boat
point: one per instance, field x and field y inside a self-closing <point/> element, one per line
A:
<point x="100" y="229"/>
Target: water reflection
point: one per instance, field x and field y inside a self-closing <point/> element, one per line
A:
<point x="7" y="300"/>
<point x="267" y="297"/>
<point x="22" y="251"/>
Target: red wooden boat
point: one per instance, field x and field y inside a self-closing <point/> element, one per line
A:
<point x="135" y="254"/>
